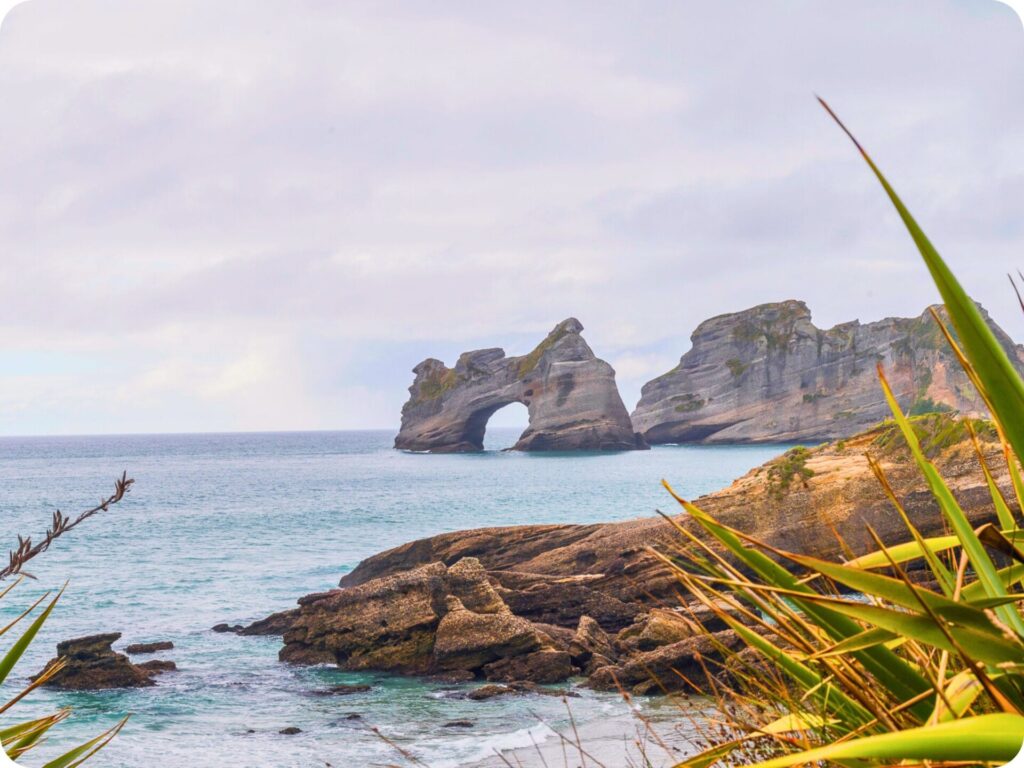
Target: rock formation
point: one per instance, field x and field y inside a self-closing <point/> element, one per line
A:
<point x="538" y="603"/>
<point x="92" y="664"/>
<point x="571" y="396"/>
<point x="432" y="619"/>
<point x="767" y="374"/>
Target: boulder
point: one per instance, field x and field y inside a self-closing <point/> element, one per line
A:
<point x="141" y="648"/>
<point x="669" y="667"/>
<point x="467" y="640"/>
<point x="656" y="628"/>
<point x="274" y="624"/>
<point x="563" y="601"/>
<point x="386" y="624"/>
<point x="467" y="580"/>
<point x="544" y="666"/>
<point x="590" y="642"/>
<point x="91" y="664"/>
<point x="492" y="690"/>
<point x="570" y="394"/>
<point x="158" y="666"/>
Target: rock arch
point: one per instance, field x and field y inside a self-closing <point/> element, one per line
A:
<point x="570" y="395"/>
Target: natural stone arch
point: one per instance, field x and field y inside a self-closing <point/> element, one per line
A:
<point x="570" y="396"/>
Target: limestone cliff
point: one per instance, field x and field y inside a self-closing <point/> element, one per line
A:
<point x="571" y="396"/>
<point x="768" y="374"/>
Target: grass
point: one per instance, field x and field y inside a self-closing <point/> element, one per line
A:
<point x="924" y="665"/>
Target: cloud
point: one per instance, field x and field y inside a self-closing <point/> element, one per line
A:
<point x="260" y="215"/>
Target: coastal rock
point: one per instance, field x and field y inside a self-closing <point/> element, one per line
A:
<point x="590" y="641"/>
<point x="468" y="640"/>
<point x="570" y="394"/>
<point x="274" y="624"/>
<point x="670" y="667"/>
<point x="839" y="492"/>
<point x="420" y="622"/>
<point x="563" y="601"/>
<point x="492" y="690"/>
<point x="158" y="666"/>
<point x="549" y="597"/>
<point x="544" y="666"/>
<point x="767" y="374"/>
<point x="91" y="664"/>
<point x="654" y="629"/>
<point x="386" y="624"/>
<point x="140" y="648"/>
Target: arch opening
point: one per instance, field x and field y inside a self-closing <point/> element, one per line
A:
<point x="501" y="428"/>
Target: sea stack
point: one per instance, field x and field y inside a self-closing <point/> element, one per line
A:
<point x="767" y="374"/>
<point x="570" y="394"/>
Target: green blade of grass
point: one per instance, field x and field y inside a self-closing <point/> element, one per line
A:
<point x="985" y="738"/>
<point x="1002" y="383"/>
<point x="11" y="657"/>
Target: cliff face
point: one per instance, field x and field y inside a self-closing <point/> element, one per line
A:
<point x="571" y="396"/>
<point x="768" y="374"/>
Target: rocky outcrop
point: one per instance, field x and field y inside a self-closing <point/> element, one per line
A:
<point x="571" y="396"/>
<point x="140" y="648"/>
<point x="793" y="502"/>
<point x="429" y="620"/>
<point x="90" y="663"/>
<point x="767" y="374"/>
<point x="540" y="603"/>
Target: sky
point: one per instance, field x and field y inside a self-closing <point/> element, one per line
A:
<point x="220" y="216"/>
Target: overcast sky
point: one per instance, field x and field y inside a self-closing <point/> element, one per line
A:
<point x="260" y="215"/>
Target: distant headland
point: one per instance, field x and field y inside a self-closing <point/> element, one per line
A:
<point x="766" y="374"/>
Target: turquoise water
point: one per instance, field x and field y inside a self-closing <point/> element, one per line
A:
<point x="233" y="527"/>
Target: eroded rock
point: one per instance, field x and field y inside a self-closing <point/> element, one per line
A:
<point x="570" y="394"/>
<point x="142" y="648"/>
<point x="767" y="374"/>
<point x="91" y="664"/>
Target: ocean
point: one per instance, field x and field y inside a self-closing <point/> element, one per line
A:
<point x="232" y="527"/>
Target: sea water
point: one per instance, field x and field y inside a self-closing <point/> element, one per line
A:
<point x="232" y="527"/>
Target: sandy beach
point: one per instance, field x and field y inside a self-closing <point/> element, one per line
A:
<point x="659" y="735"/>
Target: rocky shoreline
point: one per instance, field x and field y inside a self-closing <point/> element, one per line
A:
<point x="541" y="604"/>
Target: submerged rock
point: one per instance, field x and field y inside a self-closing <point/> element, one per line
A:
<point x="767" y="374"/>
<point x="570" y="394"/>
<point x="91" y="664"/>
<point x="344" y="690"/>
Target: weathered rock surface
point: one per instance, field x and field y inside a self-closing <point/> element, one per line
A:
<point x="140" y="648"/>
<point x="571" y="396"/>
<point x="680" y="666"/>
<point x="611" y="560"/>
<point x="429" y="620"/>
<point x="542" y="603"/>
<point x="91" y="664"/>
<point x="767" y="374"/>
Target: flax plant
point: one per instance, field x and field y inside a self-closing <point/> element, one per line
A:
<point x="912" y="654"/>
<point x="20" y="737"/>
